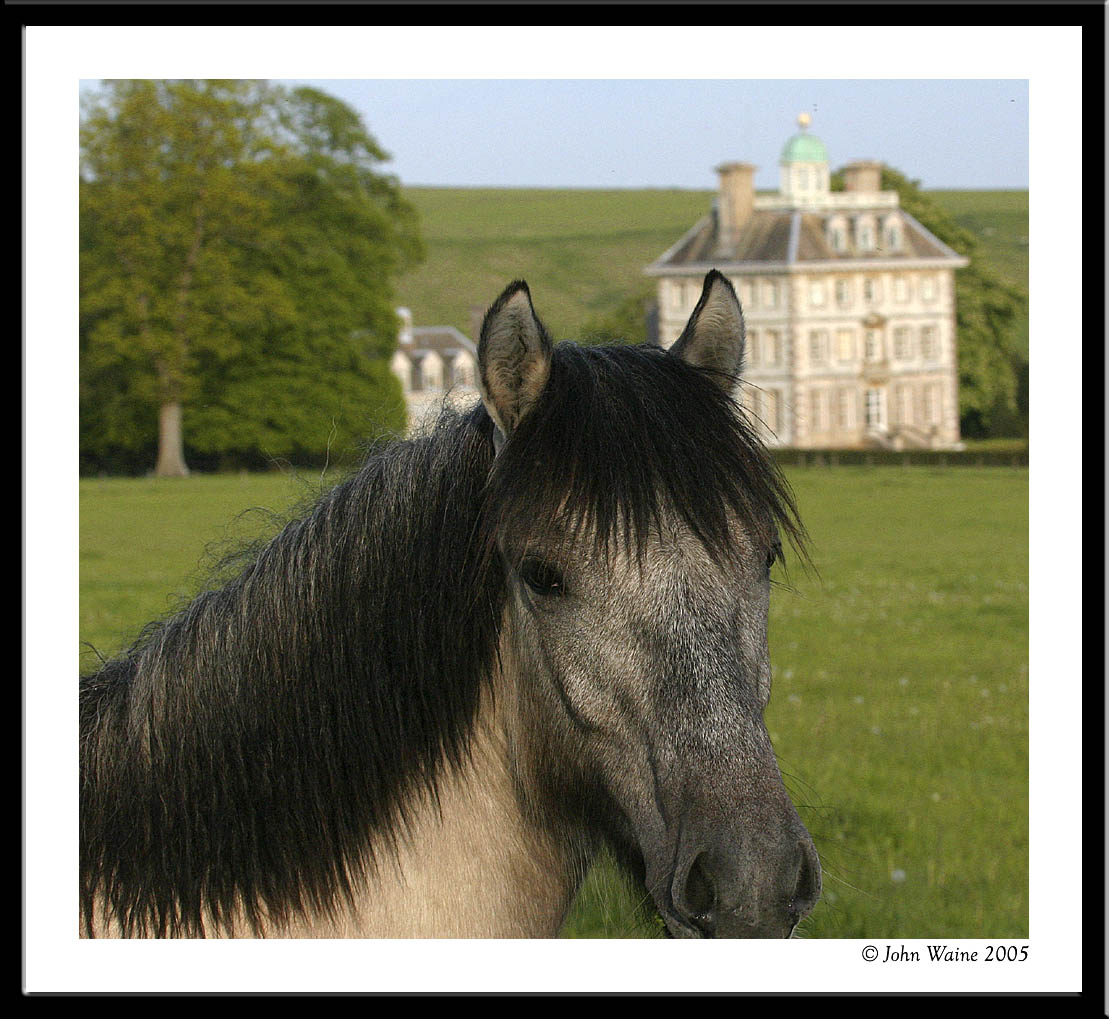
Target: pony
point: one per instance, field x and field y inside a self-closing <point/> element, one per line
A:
<point x="536" y="631"/>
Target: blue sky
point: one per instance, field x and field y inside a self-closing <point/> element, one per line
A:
<point x="965" y="133"/>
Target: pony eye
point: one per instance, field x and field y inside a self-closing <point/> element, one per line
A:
<point x="542" y="577"/>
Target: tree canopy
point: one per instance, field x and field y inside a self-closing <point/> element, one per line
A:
<point x="238" y="246"/>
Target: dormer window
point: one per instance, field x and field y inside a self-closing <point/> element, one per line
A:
<point x="864" y="234"/>
<point x="893" y="234"/>
<point x="837" y="234"/>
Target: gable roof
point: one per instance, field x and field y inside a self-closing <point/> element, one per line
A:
<point x="446" y="341"/>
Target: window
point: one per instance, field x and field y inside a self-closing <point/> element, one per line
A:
<point x="900" y="289"/>
<point x="932" y="396"/>
<point x="818" y="346"/>
<point x="874" y="345"/>
<point x="770" y="294"/>
<point x="753" y="401"/>
<point x="875" y="408"/>
<point x="845" y="409"/>
<point x="817" y="418"/>
<point x="747" y="294"/>
<point x="817" y="295"/>
<point x="837" y="238"/>
<point x="753" y="348"/>
<point x="928" y="289"/>
<point x="771" y="411"/>
<point x="929" y="343"/>
<point x="845" y="345"/>
<point x="772" y="348"/>
<point x="893" y="237"/>
<point x="864" y="232"/>
<point x="802" y="179"/>
<point x="843" y="293"/>
<point x="904" y="405"/>
<point x="871" y="292"/>
<point x="902" y="343"/>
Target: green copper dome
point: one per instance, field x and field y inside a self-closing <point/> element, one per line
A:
<point x="804" y="148"/>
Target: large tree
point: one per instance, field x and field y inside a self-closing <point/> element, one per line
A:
<point x="238" y="244"/>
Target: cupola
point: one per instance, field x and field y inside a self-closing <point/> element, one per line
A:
<point x="803" y="166"/>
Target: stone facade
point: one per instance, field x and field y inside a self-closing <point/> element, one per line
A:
<point x="434" y="364"/>
<point x="849" y="304"/>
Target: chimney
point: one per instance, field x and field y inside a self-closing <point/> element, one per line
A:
<point x="737" y="201"/>
<point x="404" y="336"/>
<point x="863" y="175"/>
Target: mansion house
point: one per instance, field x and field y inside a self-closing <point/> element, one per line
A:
<point x="848" y="300"/>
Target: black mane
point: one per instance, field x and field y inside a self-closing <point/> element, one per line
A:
<point x="239" y="754"/>
<point x="622" y="434"/>
<point x="237" y="757"/>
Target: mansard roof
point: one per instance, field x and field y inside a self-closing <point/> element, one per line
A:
<point x="796" y="238"/>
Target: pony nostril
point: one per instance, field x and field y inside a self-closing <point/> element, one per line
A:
<point x="807" y="890"/>
<point x="697" y="900"/>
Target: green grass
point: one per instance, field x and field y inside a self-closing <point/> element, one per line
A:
<point x="899" y="709"/>
<point x="581" y="251"/>
<point x="900" y="704"/>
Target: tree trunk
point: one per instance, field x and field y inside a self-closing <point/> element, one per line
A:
<point x="171" y="445"/>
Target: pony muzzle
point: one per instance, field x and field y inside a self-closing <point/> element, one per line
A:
<point x="744" y="891"/>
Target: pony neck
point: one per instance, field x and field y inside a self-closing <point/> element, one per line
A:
<point x="468" y="862"/>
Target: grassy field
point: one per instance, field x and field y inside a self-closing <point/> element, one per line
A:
<point x="582" y="251"/>
<point x="899" y="709"/>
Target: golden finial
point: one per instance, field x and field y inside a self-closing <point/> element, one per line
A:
<point x="803" y="121"/>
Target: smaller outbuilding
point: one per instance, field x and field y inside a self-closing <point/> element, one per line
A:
<point x="433" y="363"/>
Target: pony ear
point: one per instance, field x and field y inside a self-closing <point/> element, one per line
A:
<point x="514" y="358"/>
<point x="715" y="337"/>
